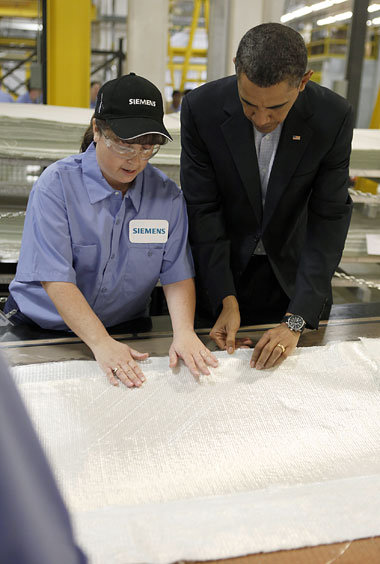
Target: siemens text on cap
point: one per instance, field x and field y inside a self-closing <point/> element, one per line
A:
<point x="143" y="102"/>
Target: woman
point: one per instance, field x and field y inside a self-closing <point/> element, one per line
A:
<point x="101" y="228"/>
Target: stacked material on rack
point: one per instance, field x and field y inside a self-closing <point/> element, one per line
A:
<point x="365" y="156"/>
<point x="361" y="225"/>
<point x="11" y="227"/>
<point x="39" y="132"/>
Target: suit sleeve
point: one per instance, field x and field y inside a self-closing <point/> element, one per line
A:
<point x="329" y="214"/>
<point x="207" y="234"/>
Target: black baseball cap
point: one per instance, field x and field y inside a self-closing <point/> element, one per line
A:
<point x="132" y="106"/>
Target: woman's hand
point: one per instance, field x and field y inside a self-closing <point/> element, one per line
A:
<point x="193" y="352"/>
<point x="118" y="361"/>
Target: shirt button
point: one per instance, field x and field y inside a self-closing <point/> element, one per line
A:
<point x="117" y="221"/>
<point x="117" y="193"/>
<point x="113" y="256"/>
<point x="104" y="290"/>
<point x="150" y="253"/>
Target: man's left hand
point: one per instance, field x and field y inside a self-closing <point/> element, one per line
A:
<point x="274" y="347"/>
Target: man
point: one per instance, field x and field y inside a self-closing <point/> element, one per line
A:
<point x="175" y="104"/>
<point x="94" y="89"/>
<point x="32" y="96"/>
<point x="35" y="527"/>
<point x="264" y="170"/>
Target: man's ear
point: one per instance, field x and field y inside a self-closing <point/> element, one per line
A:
<point x="305" y="79"/>
<point x="95" y="131"/>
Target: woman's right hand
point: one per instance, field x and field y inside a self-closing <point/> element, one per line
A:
<point x="118" y="362"/>
<point x="116" y="359"/>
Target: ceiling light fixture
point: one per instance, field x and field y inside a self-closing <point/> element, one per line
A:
<point x="309" y="9"/>
<point x="374" y="7"/>
<point x="337" y="18"/>
<point x="305" y="10"/>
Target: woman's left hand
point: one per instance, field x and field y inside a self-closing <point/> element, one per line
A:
<point x="193" y="352"/>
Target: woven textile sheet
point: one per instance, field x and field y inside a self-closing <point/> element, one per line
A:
<point x="243" y="461"/>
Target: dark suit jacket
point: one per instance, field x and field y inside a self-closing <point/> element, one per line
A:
<point x="307" y="208"/>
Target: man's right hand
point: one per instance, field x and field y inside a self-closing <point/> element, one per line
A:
<point x="227" y="325"/>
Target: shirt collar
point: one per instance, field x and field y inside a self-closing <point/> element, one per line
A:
<point x="274" y="137"/>
<point x="135" y="191"/>
<point x="275" y="134"/>
<point x="97" y="186"/>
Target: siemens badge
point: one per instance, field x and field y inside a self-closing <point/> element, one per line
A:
<point x="148" y="230"/>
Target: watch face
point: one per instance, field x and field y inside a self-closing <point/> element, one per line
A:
<point x="296" y="323"/>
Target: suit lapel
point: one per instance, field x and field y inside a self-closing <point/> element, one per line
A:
<point x="295" y="137"/>
<point x="238" y="133"/>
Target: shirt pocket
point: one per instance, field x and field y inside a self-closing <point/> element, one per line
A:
<point x="85" y="258"/>
<point x="143" y="268"/>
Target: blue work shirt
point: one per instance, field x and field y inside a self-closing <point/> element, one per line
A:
<point x="77" y="230"/>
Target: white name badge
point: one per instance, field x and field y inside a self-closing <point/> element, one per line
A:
<point x="148" y="230"/>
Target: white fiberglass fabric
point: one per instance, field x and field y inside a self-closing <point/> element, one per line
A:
<point x="243" y="461"/>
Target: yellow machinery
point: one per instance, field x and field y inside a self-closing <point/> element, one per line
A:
<point x="189" y="51"/>
<point x="68" y="46"/>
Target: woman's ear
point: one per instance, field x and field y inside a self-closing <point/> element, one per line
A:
<point x="95" y="131"/>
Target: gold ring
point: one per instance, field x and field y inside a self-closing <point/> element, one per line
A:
<point x="114" y="371"/>
<point x="281" y="347"/>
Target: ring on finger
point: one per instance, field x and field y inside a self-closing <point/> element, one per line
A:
<point x="114" y="370"/>
<point x="283" y="349"/>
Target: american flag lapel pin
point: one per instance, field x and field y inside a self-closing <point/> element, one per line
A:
<point x="296" y="137"/>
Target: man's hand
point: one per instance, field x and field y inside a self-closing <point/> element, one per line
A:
<point x="227" y="325"/>
<point x="268" y="352"/>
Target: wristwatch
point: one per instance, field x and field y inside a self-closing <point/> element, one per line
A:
<point x="294" y="322"/>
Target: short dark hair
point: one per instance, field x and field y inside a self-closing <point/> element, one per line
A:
<point x="271" y="53"/>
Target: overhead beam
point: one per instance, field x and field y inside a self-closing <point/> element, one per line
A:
<point x="355" y="58"/>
